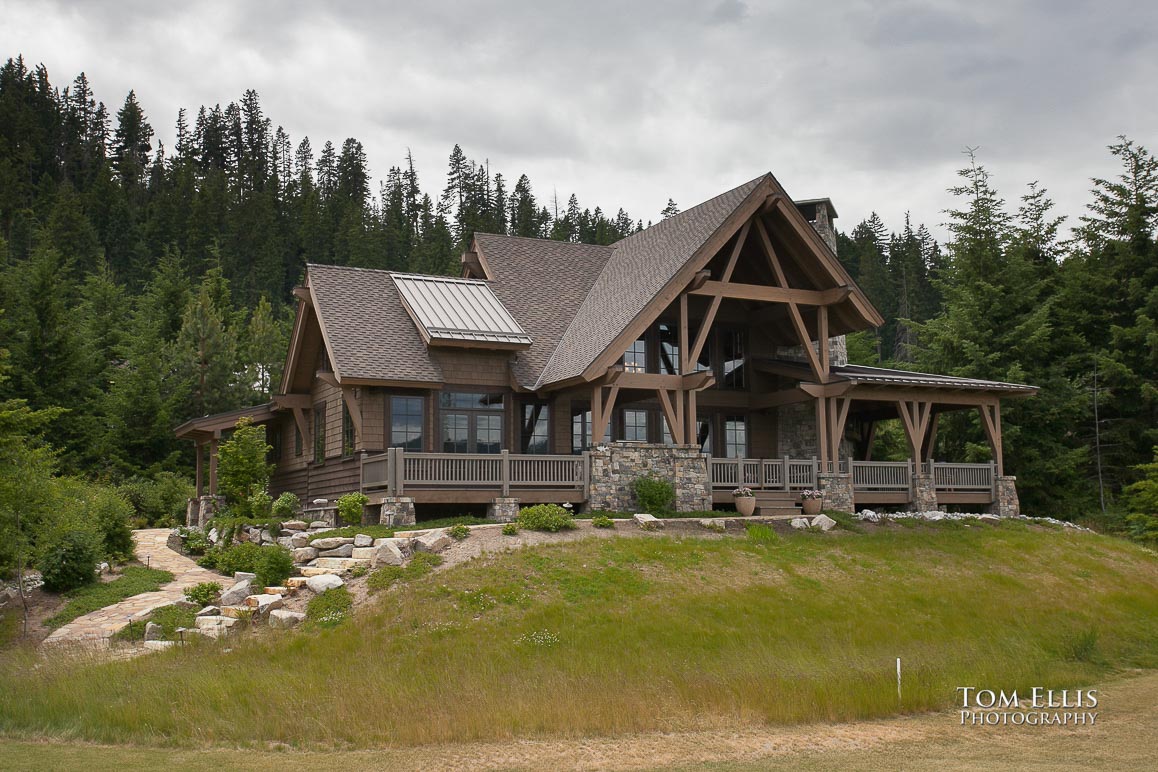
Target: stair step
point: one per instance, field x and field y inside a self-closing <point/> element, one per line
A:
<point x="772" y="511"/>
<point x="775" y="495"/>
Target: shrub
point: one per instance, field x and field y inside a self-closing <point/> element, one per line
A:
<point x="331" y="608"/>
<point x="229" y="560"/>
<point x="69" y="560"/>
<point x="350" y="508"/>
<point x="111" y="512"/>
<point x="274" y="565"/>
<point x="203" y="594"/>
<point x="241" y="464"/>
<point x="510" y="529"/>
<point x="160" y="501"/>
<point x="545" y="517"/>
<point x="286" y="506"/>
<point x="602" y="521"/>
<point x="260" y="503"/>
<point x="654" y="495"/>
<point x="458" y="531"/>
<point x="196" y="541"/>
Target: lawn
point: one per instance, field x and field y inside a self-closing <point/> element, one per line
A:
<point x="134" y="580"/>
<point x="627" y="635"/>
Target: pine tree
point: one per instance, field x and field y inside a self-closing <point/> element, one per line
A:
<point x="132" y="143"/>
<point x="670" y="210"/>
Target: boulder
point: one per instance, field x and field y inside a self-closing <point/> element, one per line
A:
<point x="266" y="537"/>
<point x="281" y="618"/>
<point x="431" y="541"/>
<point x="316" y="524"/>
<point x="237" y="593"/>
<point x="299" y="540"/>
<point x="285" y="541"/>
<point x="387" y="554"/>
<point x="647" y="522"/>
<point x="239" y="575"/>
<point x="304" y="554"/>
<point x="296" y="582"/>
<point x="344" y="551"/>
<point x="339" y="564"/>
<point x="713" y="524"/>
<point x="154" y="632"/>
<point x="159" y="645"/>
<point x="989" y="517"/>
<point x="823" y="522"/>
<point x="237" y="612"/>
<point x="363" y="553"/>
<point x="402" y="544"/>
<point x="278" y="591"/>
<point x="799" y="522"/>
<point x="264" y="603"/>
<point x="103" y="568"/>
<point x="319" y="584"/>
<point x="213" y="627"/>
<point x="362" y="540"/>
<point x="331" y="542"/>
<point x="188" y="604"/>
<point x="294" y="525"/>
<point x="213" y="535"/>
<point x="209" y="611"/>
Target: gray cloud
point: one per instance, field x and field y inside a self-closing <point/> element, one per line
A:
<point x="626" y="104"/>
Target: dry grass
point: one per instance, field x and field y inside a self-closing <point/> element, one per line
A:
<point x="653" y="634"/>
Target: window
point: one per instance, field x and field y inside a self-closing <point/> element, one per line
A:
<point x="472" y="422"/>
<point x="732" y="354"/>
<point x="704" y="435"/>
<point x="735" y="437"/>
<point x="580" y="430"/>
<point x="666" y="432"/>
<point x="536" y="429"/>
<point x="319" y="432"/>
<point x="635" y="425"/>
<point x="669" y="349"/>
<point x="406" y="419"/>
<point x="347" y="431"/>
<point x="297" y="441"/>
<point x="635" y="358"/>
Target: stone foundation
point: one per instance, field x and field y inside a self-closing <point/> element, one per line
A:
<point x="207" y="507"/>
<point x="503" y="510"/>
<point x="615" y="468"/>
<point x="837" y="490"/>
<point x="924" y="493"/>
<point x="397" y="510"/>
<point x="1005" y="502"/>
<point x="326" y="513"/>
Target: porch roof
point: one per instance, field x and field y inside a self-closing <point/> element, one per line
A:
<point x="209" y="426"/>
<point x="883" y="376"/>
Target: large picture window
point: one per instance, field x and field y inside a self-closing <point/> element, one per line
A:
<point x="535" y="432"/>
<point x="472" y="422"/>
<point x="406" y="421"/>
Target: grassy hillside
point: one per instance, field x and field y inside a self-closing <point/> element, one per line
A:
<point x="620" y="635"/>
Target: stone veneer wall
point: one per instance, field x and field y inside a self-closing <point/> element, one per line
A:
<point x="837" y="492"/>
<point x="616" y="467"/>
<point x="1006" y="503"/>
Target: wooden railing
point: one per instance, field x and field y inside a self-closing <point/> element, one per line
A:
<point x="882" y="475"/>
<point x="763" y="473"/>
<point x="397" y="469"/>
<point x="963" y="477"/>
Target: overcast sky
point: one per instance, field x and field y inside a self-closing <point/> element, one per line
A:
<point x="628" y="103"/>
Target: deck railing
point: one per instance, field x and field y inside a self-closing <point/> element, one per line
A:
<point x="763" y="473"/>
<point x="881" y="475"/>
<point x="963" y="477"/>
<point x="397" y="469"/>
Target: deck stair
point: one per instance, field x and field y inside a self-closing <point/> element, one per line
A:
<point x="776" y="503"/>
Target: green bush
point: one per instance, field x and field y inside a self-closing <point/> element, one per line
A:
<point x="274" y="566"/>
<point x="241" y="464"/>
<point x="350" y="508"/>
<point x="546" y="517"/>
<point x="510" y="529"/>
<point x="654" y="496"/>
<point x="458" y="531"/>
<point x="260" y="503"/>
<point x="89" y="506"/>
<point x="69" y="561"/>
<point x="331" y="608"/>
<point x="203" y="594"/>
<point x="159" y="502"/>
<point x="229" y="560"/>
<point x="602" y="521"/>
<point x="196" y="541"/>
<point x="286" y="506"/>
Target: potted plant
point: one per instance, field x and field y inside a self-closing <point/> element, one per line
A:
<point x="810" y="501"/>
<point x="745" y="501"/>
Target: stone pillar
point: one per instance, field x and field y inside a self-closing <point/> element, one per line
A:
<point x="924" y="493"/>
<point x="397" y="510"/>
<point x="504" y="509"/>
<point x="192" y="510"/>
<point x="207" y="507"/>
<point x="616" y="467"/>
<point x="1005" y="503"/>
<point x="837" y="491"/>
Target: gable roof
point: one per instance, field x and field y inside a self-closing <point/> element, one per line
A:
<point x="367" y="331"/>
<point x="450" y="311"/>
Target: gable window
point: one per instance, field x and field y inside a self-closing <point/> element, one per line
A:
<point x="635" y="358"/>
<point x="319" y="432"/>
<point x="406" y="419"/>
<point x="536" y="428"/>
<point x="347" y="432"/>
<point x="635" y="425"/>
<point x="472" y="422"/>
<point x="735" y="436"/>
<point x="669" y="349"/>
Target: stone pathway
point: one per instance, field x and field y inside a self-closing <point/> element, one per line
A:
<point x="95" y="628"/>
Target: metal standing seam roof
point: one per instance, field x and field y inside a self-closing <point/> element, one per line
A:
<point x="451" y="309"/>
<point x="866" y="374"/>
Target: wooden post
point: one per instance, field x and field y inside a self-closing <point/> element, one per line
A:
<point x="199" y="452"/>
<point x="505" y="471"/>
<point x="399" y="470"/>
<point x="822" y="339"/>
<point x="784" y="473"/>
<point x="822" y="430"/>
<point x="693" y="424"/>
<point x="213" y="467"/>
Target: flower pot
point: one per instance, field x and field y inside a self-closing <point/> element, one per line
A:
<point x="810" y="506"/>
<point x="745" y="505"/>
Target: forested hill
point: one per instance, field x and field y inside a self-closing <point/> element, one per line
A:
<point x="142" y="285"/>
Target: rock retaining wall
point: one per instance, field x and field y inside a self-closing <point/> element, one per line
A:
<point x="616" y="467"/>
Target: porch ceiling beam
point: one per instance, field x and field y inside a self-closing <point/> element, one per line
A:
<point x="726" y="277"/>
<point x="329" y="378"/>
<point x="767" y="294"/>
<point x="777" y="398"/>
<point x="837" y="389"/>
<point x="699" y="279"/>
<point x="934" y="395"/>
<point x="691" y="381"/>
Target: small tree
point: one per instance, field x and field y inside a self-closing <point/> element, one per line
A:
<point x="241" y="464"/>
